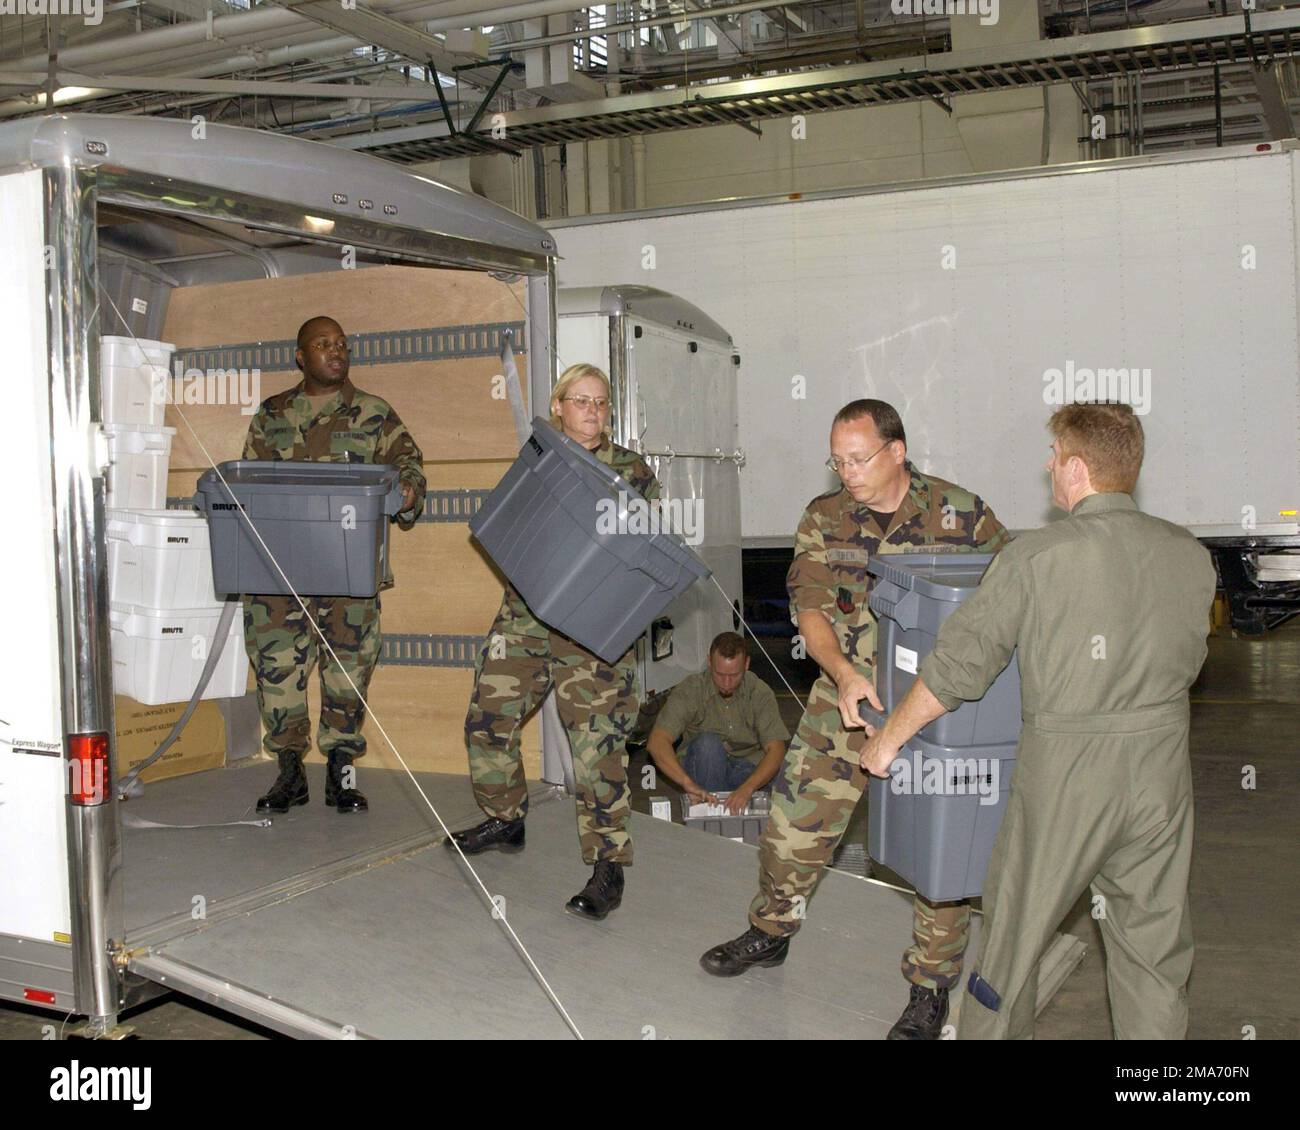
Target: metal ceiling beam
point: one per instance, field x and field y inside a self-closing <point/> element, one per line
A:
<point x="1277" y="114"/>
<point x="1149" y="51"/>
<point x="787" y="21"/>
<point x="195" y="9"/>
<point x="383" y="31"/>
<point x="714" y="15"/>
<point x="230" y="87"/>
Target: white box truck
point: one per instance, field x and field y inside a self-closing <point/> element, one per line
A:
<point x="976" y="304"/>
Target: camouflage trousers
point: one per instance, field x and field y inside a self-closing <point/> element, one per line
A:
<point x="520" y="662"/>
<point x="283" y="648"/>
<point x="813" y="798"/>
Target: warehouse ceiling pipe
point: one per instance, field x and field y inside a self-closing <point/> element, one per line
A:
<point x="242" y="30"/>
<point x="317" y="43"/>
<point x="294" y="37"/>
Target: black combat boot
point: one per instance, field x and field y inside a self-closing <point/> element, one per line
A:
<point x="506" y="835"/>
<point x="603" y="892"/>
<point x="336" y="796"/>
<point x="924" y="1016"/>
<point x="753" y="948"/>
<point x="290" y="786"/>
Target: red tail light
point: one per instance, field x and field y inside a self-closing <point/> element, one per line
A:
<point x="88" y="768"/>
<point x="40" y="996"/>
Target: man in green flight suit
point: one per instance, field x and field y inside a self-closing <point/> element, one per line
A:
<point x="1109" y="610"/>
<point x="884" y="506"/>
<point x="323" y="418"/>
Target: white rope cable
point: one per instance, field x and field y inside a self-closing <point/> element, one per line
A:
<point x="497" y="912"/>
<point x="753" y="635"/>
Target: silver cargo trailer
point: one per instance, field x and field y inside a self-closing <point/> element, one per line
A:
<point x="65" y="920"/>
<point x="673" y="375"/>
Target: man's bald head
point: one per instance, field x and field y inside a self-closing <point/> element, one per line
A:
<point x="316" y="325"/>
<point x="322" y="355"/>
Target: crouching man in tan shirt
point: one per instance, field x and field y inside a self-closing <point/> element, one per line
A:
<point x="729" y="726"/>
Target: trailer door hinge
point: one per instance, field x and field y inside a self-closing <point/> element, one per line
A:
<point x="99" y="457"/>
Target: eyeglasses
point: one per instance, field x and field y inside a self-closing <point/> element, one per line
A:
<point x="839" y="465"/>
<point x="600" y="403"/>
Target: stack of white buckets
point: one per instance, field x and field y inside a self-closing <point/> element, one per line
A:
<point x="163" y="609"/>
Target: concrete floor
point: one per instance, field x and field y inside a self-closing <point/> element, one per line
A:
<point x="1245" y="881"/>
<point x="1246" y="712"/>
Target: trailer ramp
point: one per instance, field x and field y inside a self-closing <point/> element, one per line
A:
<point x="366" y="927"/>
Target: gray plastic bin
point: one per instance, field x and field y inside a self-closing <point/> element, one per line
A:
<point x="931" y="823"/>
<point x="913" y="595"/>
<point x="542" y="525"/>
<point x="935" y="821"/>
<point x="140" y="291"/>
<point x="298" y="508"/>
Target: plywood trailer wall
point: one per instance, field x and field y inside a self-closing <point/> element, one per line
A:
<point x="445" y="587"/>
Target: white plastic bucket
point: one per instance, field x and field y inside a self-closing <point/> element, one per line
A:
<point x="158" y="654"/>
<point x="137" y="474"/>
<point x="134" y="380"/>
<point x="159" y="559"/>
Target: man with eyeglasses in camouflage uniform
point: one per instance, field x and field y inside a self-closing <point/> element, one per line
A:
<point x="884" y="505"/>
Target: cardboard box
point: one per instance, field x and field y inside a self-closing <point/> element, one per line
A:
<point x="141" y="729"/>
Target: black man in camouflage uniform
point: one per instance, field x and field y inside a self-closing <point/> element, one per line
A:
<point x="323" y="418"/>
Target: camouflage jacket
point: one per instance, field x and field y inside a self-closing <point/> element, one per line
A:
<point x="630" y="465"/>
<point x="351" y="427"/>
<point x="837" y="536"/>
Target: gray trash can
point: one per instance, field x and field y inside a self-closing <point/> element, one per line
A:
<point x="325" y="523"/>
<point x="139" y="290"/>
<point x="546" y="525"/>
<point x="935" y="820"/>
<point x="913" y="595"/>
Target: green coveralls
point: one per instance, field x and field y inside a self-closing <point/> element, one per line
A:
<point x="1109" y="610"/>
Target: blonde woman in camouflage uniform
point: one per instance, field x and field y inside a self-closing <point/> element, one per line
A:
<point x="522" y="660"/>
